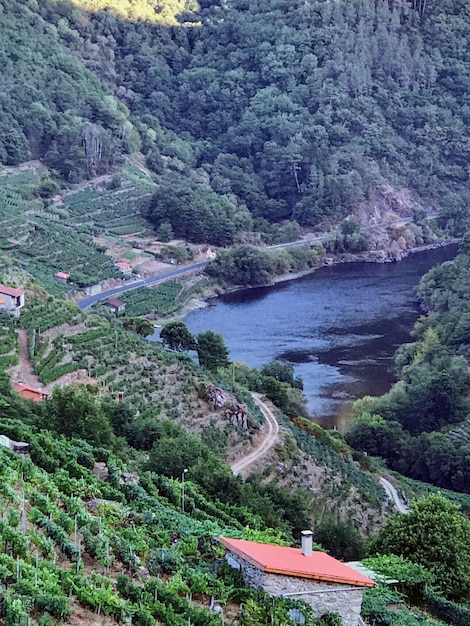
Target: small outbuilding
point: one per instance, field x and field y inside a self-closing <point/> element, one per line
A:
<point x="62" y="277"/>
<point x="316" y="578"/>
<point x="11" y="300"/>
<point x="26" y="391"/>
<point x="15" y="446"/>
<point x="117" y="305"/>
<point x="124" y="268"/>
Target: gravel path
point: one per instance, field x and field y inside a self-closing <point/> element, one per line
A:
<point x="267" y="443"/>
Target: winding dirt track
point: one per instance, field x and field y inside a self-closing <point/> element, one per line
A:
<point x="393" y="495"/>
<point x="267" y="443"/>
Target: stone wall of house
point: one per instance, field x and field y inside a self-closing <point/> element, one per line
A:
<point x="332" y="597"/>
<point x="252" y="576"/>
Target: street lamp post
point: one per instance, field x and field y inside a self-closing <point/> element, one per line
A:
<point x="185" y="471"/>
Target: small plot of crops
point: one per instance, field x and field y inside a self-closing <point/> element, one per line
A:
<point x="460" y="435"/>
<point x="44" y="314"/>
<point x="17" y="205"/>
<point x="8" y="343"/>
<point x="15" y="226"/>
<point x="59" y="248"/>
<point x="162" y="300"/>
<point x="331" y="452"/>
<point x="117" y="210"/>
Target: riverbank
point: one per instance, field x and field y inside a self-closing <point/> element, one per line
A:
<point x="213" y="291"/>
<point x="339" y="327"/>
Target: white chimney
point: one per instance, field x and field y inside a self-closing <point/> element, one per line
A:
<point x="307" y="542"/>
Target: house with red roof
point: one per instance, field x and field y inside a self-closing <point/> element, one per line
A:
<point x="124" y="268"/>
<point x="26" y="391"/>
<point x="318" y="579"/>
<point x="62" y="277"/>
<point x="11" y="300"/>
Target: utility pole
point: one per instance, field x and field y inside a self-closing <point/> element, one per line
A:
<point x="185" y="471"/>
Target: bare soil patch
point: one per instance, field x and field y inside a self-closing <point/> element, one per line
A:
<point x="24" y="371"/>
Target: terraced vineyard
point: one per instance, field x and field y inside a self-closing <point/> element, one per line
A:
<point x="16" y="226"/>
<point x="50" y="237"/>
<point x="8" y="343"/>
<point x="74" y="545"/>
<point x="63" y="340"/>
<point x="114" y="211"/>
<point x="60" y="248"/>
<point x="460" y="434"/>
<point x="161" y="300"/>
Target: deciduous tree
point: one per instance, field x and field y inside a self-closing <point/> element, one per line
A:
<point x="176" y="336"/>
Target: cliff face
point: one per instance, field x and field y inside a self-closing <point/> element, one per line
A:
<point x="396" y="224"/>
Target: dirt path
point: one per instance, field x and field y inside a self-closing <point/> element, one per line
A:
<point x="24" y="371"/>
<point x="394" y="496"/>
<point x="267" y="443"/>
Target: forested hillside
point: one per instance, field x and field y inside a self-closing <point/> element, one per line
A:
<point x="221" y="122"/>
<point x="421" y="427"/>
<point x="245" y="110"/>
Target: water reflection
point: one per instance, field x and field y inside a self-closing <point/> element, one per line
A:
<point x="339" y="327"/>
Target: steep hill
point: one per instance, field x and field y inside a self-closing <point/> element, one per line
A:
<point x="244" y="110"/>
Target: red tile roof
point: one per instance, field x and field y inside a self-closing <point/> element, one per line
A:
<point x="29" y="391"/>
<point x="291" y="562"/>
<point x="122" y="265"/>
<point x="62" y="275"/>
<point x="10" y="291"/>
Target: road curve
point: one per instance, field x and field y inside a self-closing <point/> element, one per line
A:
<point x="86" y="303"/>
<point x="265" y="445"/>
<point x="393" y="495"/>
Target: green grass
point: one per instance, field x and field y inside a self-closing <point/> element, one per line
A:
<point x="161" y="300"/>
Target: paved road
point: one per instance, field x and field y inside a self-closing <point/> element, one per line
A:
<point x="267" y="443"/>
<point x="86" y="303"/>
<point x="393" y="495"/>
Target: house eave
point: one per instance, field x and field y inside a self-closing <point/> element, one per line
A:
<point x="294" y="574"/>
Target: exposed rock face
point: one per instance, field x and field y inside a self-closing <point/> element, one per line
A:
<point x="234" y="411"/>
<point x="387" y="221"/>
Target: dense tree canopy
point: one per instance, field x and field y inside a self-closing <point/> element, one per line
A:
<point x="245" y="110"/>
<point x="436" y="535"/>
<point x="76" y="411"/>
<point x="211" y="350"/>
<point x="176" y="336"/>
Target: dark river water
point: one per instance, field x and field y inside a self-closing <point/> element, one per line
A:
<point x="339" y="326"/>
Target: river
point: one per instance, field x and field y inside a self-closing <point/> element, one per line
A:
<point x="339" y="327"/>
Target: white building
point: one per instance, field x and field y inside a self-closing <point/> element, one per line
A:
<point x="11" y="300"/>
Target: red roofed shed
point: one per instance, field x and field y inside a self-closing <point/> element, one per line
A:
<point x="300" y="573"/>
<point x="11" y="300"/>
<point x="26" y="391"/>
<point x="62" y="276"/>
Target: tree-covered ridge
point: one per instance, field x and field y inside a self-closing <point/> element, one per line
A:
<point x="52" y="106"/>
<point x="287" y="110"/>
<point x="421" y="427"/>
